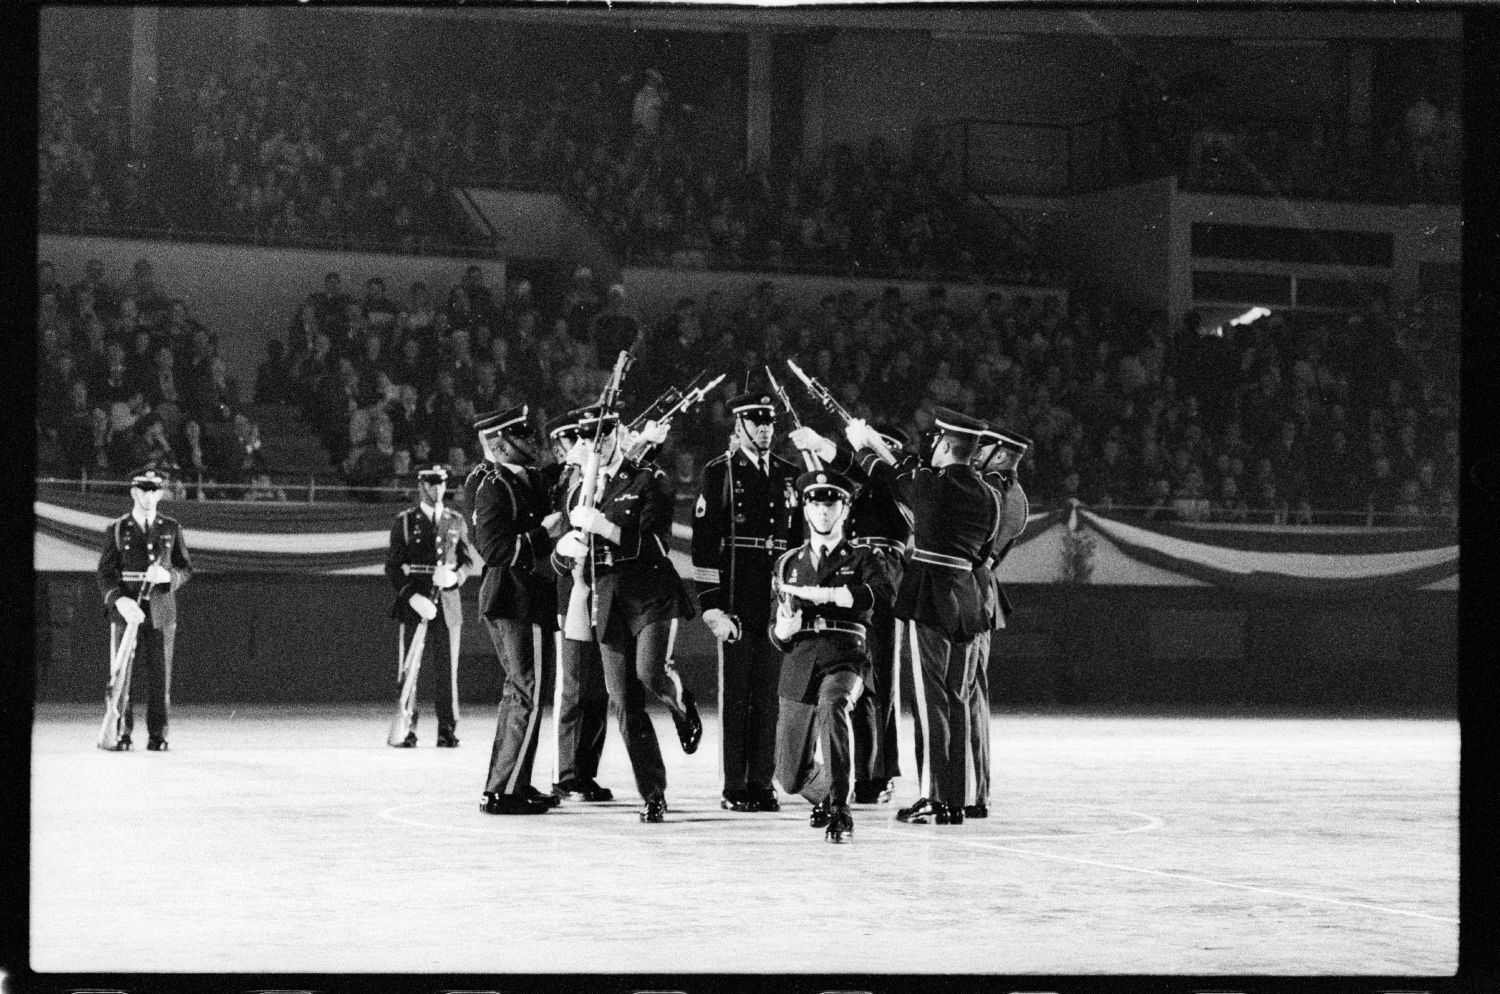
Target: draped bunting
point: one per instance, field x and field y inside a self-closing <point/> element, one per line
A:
<point x="1290" y="562"/>
<point x="234" y="537"/>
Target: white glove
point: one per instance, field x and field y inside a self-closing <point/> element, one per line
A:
<point x="858" y="433"/>
<point x="130" y="610"/>
<point x="590" y="519"/>
<point x="157" y="573"/>
<point x="721" y="625"/>
<point x="423" y="606"/>
<point x="553" y="523"/>
<point x="654" y="433"/>
<point x="443" y="578"/>
<point x="838" y="596"/>
<point x="810" y="441"/>
<point x="788" y="622"/>
<point x="572" y="545"/>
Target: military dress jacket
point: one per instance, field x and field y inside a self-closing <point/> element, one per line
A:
<point x="744" y="518"/>
<point x="634" y="581"/>
<point x="831" y="637"/>
<point x="876" y="516"/>
<point x="128" y="550"/>
<point x="955" y="517"/>
<point x="507" y="506"/>
<point x="1014" y="509"/>
<point x="417" y="545"/>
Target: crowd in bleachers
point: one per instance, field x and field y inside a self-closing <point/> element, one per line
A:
<point x="128" y="380"/>
<point x="1296" y="417"/>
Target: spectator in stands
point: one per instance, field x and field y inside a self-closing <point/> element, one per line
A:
<point x="580" y="304"/>
<point x="372" y="464"/>
<point x="273" y="376"/>
<point x="1381" y="491"/>
<point x="379" y="311"/>
<point x="418" y="317"/>
<point x="1229" y="507"/>
<point x="614" y="329"/>
<point x="331" y="305"/>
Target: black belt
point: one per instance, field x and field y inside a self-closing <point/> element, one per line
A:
<point x="940" y="559"/>
<point x="819" y="625"/>
<point x="768" y="544"/>
<point x="877" y="542"/>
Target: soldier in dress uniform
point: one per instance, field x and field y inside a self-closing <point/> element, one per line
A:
<point x="955" y="515"/>
<point x="580" y="707"/>
<point x="636" y="597"/>
<point x="144" y="563"/>
<point x="877" y="520"/>
<point x="746" y="515"/>
<point x="426" y="561"/>
<point x="826" y="591"/>
<point x="999" y="454"/>
<point x="514" y="528"/>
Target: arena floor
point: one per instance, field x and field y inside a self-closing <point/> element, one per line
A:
<point x="293" y="840"/>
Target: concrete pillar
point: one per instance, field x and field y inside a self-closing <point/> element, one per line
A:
<point x="758" y="98"/>
<point x="813" y="89"/>
<point x="143" y="76"/>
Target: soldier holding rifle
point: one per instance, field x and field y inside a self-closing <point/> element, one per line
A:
<point x="745" y="516"/>
<point x="955" y="517"/>
<point x="426" y="561"/>
<point x="514" y="528"/>
<point x="621" y="514"/>
<point x="144" y="563"/>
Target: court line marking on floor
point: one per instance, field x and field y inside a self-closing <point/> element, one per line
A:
<point x="1193" y="878"/>
<point x="1150" y="823"/>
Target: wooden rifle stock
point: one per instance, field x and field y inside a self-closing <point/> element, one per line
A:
<point x="578" y="624"/>
<point x="809" y="459"/>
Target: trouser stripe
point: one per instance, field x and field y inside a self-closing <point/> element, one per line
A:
<point x="531" y="719"/>
<point x="924" y="778"/>
<point x="559" y="672"/>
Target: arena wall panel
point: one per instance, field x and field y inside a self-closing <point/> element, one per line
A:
<point x="311" y="639"/>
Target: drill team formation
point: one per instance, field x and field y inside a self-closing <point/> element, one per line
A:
<point x="818" y="581"/>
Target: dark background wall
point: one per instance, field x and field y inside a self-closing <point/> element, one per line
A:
<point x="328" y="639"/>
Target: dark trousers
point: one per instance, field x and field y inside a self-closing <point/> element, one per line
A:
<point x="518" y="645"/>
<point x="152" y="665"/>
<point x="829" y="724"/>
<point x="942" y="672"/>
<point x="749" y="670"/>
<point x="630" y="666"/>
<point x="978" y="700"/>
<point x="875" y="713"/>
<point x="580" y="709"/>
<point x="438" y="677"/>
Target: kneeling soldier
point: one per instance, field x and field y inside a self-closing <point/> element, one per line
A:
<point x="825" y="591"/>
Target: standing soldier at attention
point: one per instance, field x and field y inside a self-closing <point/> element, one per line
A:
<point x="635" y="597"/>
<point x="1000" y="453"/>
<point x="144" y="563"/>
<point x="746" y="516"/>
<point x="825" y="593"/>
<point x="426" y="561"/>
<point x="877" y="520"/>
<point x="580" y="707"/>
<point x="514" y="527"/>
<point x="954" y="518"/>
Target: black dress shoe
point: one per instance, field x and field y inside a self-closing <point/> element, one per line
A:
<point x="156" y="744"/>
<point x="545" y="800"/>
<point x="764" y="799"/>
<point x="655" y="810"/>
<point x="124" y="744"/>
<point x="872" y="791"/>
<point x="822" y="814"/>
<point x="922" y="812"/>
<point x="976" y="810"/>
<point x="582" y="789"/>
<point x="510" y="804"/>
<point x="949" y="814"/>
<point x="689" y="725"/>
<point x="840" y="826"/>
<point x="447" y="740"/>
<point x="739" y="799"/>
<point x="410" y="742"/>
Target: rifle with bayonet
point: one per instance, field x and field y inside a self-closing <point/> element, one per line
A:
<point x="579" y="622"/>
<point x="685" y="401"/>
<point x="832" y="406"/>
<point x="809" y="459"/>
